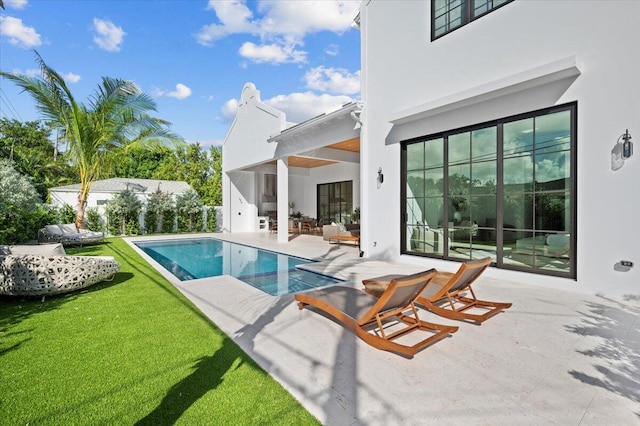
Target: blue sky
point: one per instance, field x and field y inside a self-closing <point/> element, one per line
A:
<point x="192" y="56"/>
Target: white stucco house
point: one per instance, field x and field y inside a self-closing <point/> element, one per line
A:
<point x="103" y="190"/>
<point x="494" y="129"/>
<point x="269" y="162"/>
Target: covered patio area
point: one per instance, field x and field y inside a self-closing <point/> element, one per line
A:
<point x="554" y="357"/>
<point x="280" y="175"/>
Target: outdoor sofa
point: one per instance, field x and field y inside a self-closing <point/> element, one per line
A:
<point x="45" y="269"/>
<point x="329" y="231"/>
<point x="551" y="245"/>
<point x="68" y="235"/>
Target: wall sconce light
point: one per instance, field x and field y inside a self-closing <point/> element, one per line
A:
<point x="627" y="146"/>
<point x="380" y="175"/>
<point x="621" y="151"/>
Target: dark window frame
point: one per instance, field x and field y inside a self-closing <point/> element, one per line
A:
<point x="329" y="185"/>
<point x="467" y="16"/>
<point x="499" y="123"/>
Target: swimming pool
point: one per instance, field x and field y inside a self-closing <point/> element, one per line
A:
<point x="273" y="273"/>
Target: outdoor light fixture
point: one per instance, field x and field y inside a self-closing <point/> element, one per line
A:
<point x="627" y="146"/>
<point x="621" y="151"/>
<point x="380" y="175"/>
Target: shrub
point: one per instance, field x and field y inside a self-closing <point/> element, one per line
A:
<point x="93" y="221"/>
<point x="21" y="210"/>
<point x="189" y="208"/>
<point x="123" y="208"/>
<point x="160" y="213"/>
<point x="66" y="214"/>
<point x="212" y="220"/>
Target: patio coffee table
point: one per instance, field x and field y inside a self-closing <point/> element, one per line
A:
<point x="345" y="238"/>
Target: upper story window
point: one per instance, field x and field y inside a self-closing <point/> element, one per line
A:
<point x="448" y="15"/>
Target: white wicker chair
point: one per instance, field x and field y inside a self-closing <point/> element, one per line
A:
<point x="38" y="274"/>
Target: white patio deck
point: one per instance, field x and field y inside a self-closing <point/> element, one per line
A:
<point x="554" y="357"/>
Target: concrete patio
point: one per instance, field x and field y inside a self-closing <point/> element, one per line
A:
<point x="554" y="357"/>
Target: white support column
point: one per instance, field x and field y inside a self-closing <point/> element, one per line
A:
<point x="226" y="204"/>
<point x="283" y="200"/>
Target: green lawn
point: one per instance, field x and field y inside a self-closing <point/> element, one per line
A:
<point x="130" y="351"/>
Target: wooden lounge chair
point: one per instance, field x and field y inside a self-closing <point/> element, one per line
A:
<point x="450" y="295"/>
<point x="369" y="316"/>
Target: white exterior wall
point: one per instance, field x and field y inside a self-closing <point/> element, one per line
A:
<point x="246" y="145"/>
<point x="254" y="121"/>
<point x="60" y="198"/>
<point x="603" y="36"/>
<point x="243" y="211"/>
<point x="334" y="173"/>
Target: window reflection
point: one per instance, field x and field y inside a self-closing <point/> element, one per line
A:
<point x="521" y="217"/>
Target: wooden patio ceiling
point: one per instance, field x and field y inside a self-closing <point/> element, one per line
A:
<point x="352" y="145"/>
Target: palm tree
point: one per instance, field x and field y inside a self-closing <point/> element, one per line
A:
<point x="115" y="120"/>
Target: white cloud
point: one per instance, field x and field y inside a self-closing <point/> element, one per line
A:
<point x="15" y="4"/>
<point x="181" y="92"/>
<point x="32" y="72"/>
<point x="552" y="168"/>
<point x="228" y="110"/>
<point x="18" y="33"/>
<point x="71" y="77"/>
<point x="334" y="80"/>
<point x="303" y="106"/>
<point x="156" y="92"/>
<point x="281" y="26"/>
<point x="298" y="106"/>
<point x="234" y="17"/>
<point x="272" y="53"/>
<point x="109" y="36"/>
<point x="332" y="50"/>
<point x="298" y="18"/>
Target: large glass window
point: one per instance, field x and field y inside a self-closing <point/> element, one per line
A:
<point x="504" y="189"/>
<point x="448" y="15"/>
<point x="335" y="202"/>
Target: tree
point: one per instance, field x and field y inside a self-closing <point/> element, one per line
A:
<point x="115" y="119"/>
<point x="140" y="162"/>
<point x="160" y="212"/>
<point x="213" y="189"/>
<point x="189" y="208"/>
<point x="122" y="212"/>
<point x="28" y="146"/>
<point x="203" y="172"/>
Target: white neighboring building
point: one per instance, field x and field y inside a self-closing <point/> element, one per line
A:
<point x="526" y="102"/>
<point x="103" y="190"/>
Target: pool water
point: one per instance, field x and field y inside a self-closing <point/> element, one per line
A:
<point x="271" y="272"/>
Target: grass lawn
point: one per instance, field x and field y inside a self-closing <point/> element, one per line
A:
<point x="129" y="351"/>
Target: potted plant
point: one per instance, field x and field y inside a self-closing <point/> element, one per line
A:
<point x="460" y="206"/>
<point x="292" y="205"/>
<point x="355" y="216"/>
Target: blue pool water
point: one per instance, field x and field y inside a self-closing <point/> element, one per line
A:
<point x="271" y="272"/>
